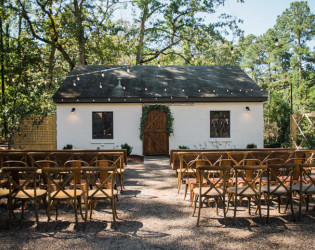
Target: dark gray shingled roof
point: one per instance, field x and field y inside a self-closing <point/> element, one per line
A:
<point x="158" y="84"/>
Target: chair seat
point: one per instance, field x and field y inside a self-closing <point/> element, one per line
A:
<point x="189" y="171"/>
<point x="62" y="195"/>
<point x="212" y="193"/>
<point x="100" y="195"/>
<point x="273" y="190"/>
<point x="4" y="192"/>
<point x="31" y="193"/>
<point x="120" y="170"/>
<point x="194" y="181"/>
<point x="304" y="188"/>
<point x="247" y="192"/>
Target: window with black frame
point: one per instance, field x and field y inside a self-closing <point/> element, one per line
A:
<point x="102" y="125"/>
<point x="219" y="124"/>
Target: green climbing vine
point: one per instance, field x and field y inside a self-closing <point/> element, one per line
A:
<point x="161" y="108"/>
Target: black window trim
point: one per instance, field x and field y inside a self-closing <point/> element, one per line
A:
<point x="229" y="124"/>
<point x="104" y="138"/>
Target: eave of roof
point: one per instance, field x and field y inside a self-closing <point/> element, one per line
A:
<point x="146" y="84"/>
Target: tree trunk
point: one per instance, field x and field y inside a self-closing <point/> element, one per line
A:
<point x="3" y="102"/>
<point x="141" y="35"/>
<point x="80" y="31"/>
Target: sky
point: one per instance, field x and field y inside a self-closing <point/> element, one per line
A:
<point x="259" y="15"/>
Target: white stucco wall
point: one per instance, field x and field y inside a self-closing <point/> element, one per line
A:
<point x="76" y="128"/>
<point x="246" y="127"/>
<point x="191" y="125"/>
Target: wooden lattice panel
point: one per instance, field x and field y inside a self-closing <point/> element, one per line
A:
<point x="298" y="133"/>
<point x="35" y="134"/>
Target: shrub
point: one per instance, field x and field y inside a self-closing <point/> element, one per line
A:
<point x="68" y="146"/>
<point x="183" y="147"/>
<point x="251" y="145"/>
<point x="126" y="146"/>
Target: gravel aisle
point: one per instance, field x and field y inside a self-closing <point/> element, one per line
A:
<point x="153" y="216"/>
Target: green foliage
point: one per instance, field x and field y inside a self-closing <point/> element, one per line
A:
<point x="251" y="145"/>
<point x="128" y="147"/>
<point x="68" y="146"/>
<point x="183" y="147"/>
<point x="161" y="108"/>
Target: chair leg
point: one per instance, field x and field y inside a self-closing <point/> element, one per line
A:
<point x="195" y="204"/>
<point x="228" y="202"/>
<point x="23" y="207"/>
<point x="199" y="209"/>
<point x="290" y="198"/>
<point x="224" y="212"/>
<point x="75" y="211"/>
<point x="249" y="200"/>
<point x="179" y="181"/>
<point x="235" y="208"/>
<point x="186" y="187"/>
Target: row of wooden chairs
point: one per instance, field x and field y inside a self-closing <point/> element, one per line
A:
<point x="187" y="159"/>
<point x="64" y="183"/>
<point x="250" y="178"/>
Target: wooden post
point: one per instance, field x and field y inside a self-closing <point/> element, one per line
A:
<point x="293" y="131"/>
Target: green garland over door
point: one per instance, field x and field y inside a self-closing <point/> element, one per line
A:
<point x="161" y="108"/>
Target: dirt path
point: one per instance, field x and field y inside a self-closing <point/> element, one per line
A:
<point x="153" y="216"/>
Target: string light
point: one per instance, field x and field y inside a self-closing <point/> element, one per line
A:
<point x="102" y="74"/>
<point x="277" y="42"/>
<point x="74" y="83"/>
<point x="13" y="79"/>
<point x="78" y="78"/>
<point x="159" y="64"/>
<point x="232" y="50"/>
<point x="101" y="86"/>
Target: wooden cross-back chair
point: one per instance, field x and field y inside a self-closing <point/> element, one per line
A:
<point x="222" y="162"/>
<point x="192" y="181"/>
<point x="103" y="191"/>
<point x="61" y="157"/>
<point x="25" y="190"/>
<point x="249" y="176"/>
<point x="38" y="156"/>
<point x="278" y="186"/>
<point x="216" y="190"/>
<point x="4" y="189"/>
<point x="88" y="157"/>
<point x="80" y="182"/>
<point x="102" y="176"/>
<point x="118" y="159"/>
<point x="47" y="164"/>
<point x="306" y="187"/>
<point x="184" y="170"/>
<point x="65" y="191"/>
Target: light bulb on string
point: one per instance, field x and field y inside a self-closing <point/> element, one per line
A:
<point x="128" y="69"/>
<point x="78" y="78"/>
<point x="232" y="50"/>
<point x="102" y="74"/>
<point x="74" y="84"/>
<point x="277" y="42"/>
<point x="101" y="86"/>
<point x="159" y="64"/>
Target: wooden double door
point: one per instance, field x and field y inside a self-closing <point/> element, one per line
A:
<point x="155" y="138"/>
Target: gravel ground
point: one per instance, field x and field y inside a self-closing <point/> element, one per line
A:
<point x="152" y="215"/>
